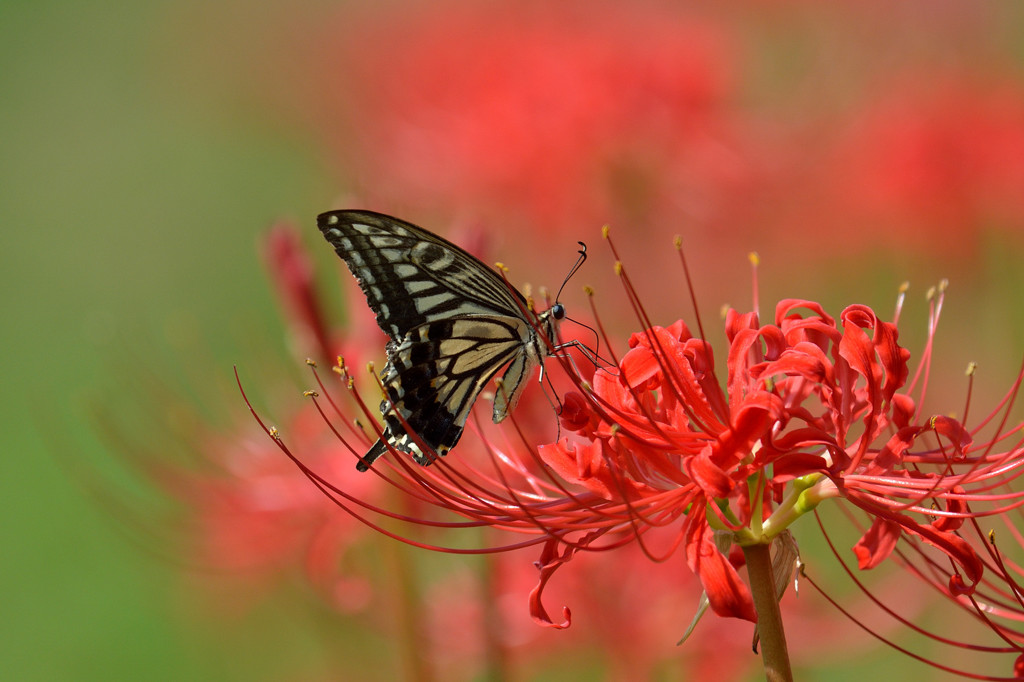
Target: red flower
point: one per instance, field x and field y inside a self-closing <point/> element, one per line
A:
<point x="942" y="160"/>
<point x="257" y="517"/>
<point x="293" y="280"/>
<point x="665" y="455"/>
<point x="811" y="409"/>
<point x="805" y="398"/>
<point x="557" y="117"/>
<point x="311" y="331"/>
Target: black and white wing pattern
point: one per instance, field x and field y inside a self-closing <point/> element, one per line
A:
<point x="453" y="324"/>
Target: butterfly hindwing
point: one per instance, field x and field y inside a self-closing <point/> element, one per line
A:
<point x="434" y="376"/>
<point x="453" y="322"/>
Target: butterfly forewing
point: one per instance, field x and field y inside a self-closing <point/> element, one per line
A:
<point x="453" y="323"/>
<point x="411" y="276"/>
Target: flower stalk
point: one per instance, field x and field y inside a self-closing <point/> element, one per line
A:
<point x="774" y="650"/>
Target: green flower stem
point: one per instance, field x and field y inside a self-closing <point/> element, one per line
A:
<point x="805" y="494"/>
<point x="754" y="485"/>
<point x="715" y="522"/>
<point x="774" y="651"/>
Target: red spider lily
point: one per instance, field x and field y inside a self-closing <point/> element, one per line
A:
<point x="293" y="278"/>
<point x="291" y="272"/>
<point x="470" y="598"/>
<point x="500" y="106"/>
<point x="824" y="407"/>
<point x="665" y="455"/>
<point x="254" y="518"/>
<point x="239" y="508"/>
<point x="941" y="156"/>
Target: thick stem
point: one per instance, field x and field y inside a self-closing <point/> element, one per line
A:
<point x="774" y="652"/>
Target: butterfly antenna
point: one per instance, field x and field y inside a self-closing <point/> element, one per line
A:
<point x="579" y="263"/>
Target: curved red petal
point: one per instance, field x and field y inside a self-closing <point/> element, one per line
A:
<point x="549" y="562"/>
<point x="727" y="594"/>
<point x="877" y="544"/>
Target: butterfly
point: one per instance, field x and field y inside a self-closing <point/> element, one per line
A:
<point x="453" y="323"/>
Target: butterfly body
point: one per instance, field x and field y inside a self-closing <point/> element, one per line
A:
<point x="453" y="324"/>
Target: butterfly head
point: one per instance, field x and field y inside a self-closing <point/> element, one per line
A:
<point x="548" y="322"/>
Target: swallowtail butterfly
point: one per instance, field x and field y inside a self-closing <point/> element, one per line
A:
<point x="453" y="324"/>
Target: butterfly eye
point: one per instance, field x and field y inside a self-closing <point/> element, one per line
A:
<point x="558" y="311"/>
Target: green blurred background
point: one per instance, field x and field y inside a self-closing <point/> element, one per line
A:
<point x="135" y="181"/>
<point x="139" y="167"/>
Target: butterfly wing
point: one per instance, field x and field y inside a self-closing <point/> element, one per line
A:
<point x="453" y="323"/>
<point x="411" y="276"/>
<point x="434" y="376"/>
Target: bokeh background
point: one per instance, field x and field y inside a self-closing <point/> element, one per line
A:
<point x="147" y="148"/>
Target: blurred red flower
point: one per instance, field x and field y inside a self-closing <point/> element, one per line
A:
<point x="256" y="518"/>
<point x="554" y="117"/>
<point x="931" y="162"/>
